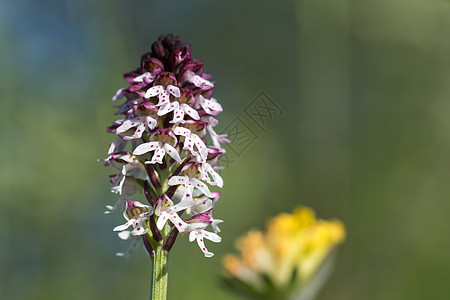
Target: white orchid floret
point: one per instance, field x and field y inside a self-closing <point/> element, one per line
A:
<point x="163" y="93"/>
<point x="146" y="77"/>
<point x="123" y="161"/>
<point x="136" y="215"/>
<point x="140" y="122"/>
<point x="210" y="106"/>
<point x="197" y="80"/>
<point x="196" y="229"/>
<point x="191" y="140"/>
<point x="190" y="182"/>
<point x="217" y="139"/>
<point x="166" y="210"/>
<point x="215" y="179"/>
<point x="179" y="109"/>
<point x="160" y="147"/>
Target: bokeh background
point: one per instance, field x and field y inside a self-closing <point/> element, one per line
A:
<point x="364" y="137"/>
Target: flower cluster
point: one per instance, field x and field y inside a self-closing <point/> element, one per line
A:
<point x="161" y="149"/>
<point x="285" y="258"/>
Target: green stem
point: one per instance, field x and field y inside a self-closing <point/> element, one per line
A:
<point x="160" y="274"/>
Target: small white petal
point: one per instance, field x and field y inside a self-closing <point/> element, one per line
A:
<point x="172" y="152"/>
<point x="167" y="108"/>
<point x="192" y="236"/>
<point x="163" y="98"/>
<point x="211" y="236"/>
<point x="153" y="91"/>
<point x="190" y="111"/>
<point x="181" y="131"/>
<point x="124" y="226"/>
<point x="162" y="220"/>
<point x="174" y="180"/>
<point x="178" y="222"/>
<point x="151" y="123"/>
<point x="173" y="90"/>
<point x="145" y="147"/>
<point x="178" y="116"/>
<point x="146" y="77"/>
<point x="158" y="156"/>
<point x="201" y="186"/>
<point x="124" y="235"/>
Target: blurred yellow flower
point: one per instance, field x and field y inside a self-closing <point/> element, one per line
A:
<point x="283" y="259"/>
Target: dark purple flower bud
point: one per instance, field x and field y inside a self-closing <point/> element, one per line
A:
<point x="158" y="50"/>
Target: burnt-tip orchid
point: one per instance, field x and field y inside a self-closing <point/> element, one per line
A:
<point x="162" y="156"/>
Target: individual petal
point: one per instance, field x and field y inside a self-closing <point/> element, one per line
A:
<point x="139" y="230"/>
<point x="217" y="179"/>
<point x="138" y="133"/>
<point x="178" y="222"/>
<point x="203" y="206"/>
<point x="147" y="77"/>
<point x="124" y="226"/>
<point x="175" y="180"/>
<point x="178" y="116"/>
<point x="198" y="81"/>
<point x="211" y="236"/>
<point x="158" y="156"/>
<point x="200" y="242"/>
<point x="182" y="131"/>
<point x="167" y="108"/>
<point x="124" y="235"/>
<point x="210" y="106"/>
<point x="173" y="90"/>
<point x="151" y="123"/>
<point x="215" y="224"/>
<point x="188" y="193"/>
<point x="127" y="124"/>
<point x="202" y="149"/>
<point x="145" y="147"/>
<point x="181" y="206"/>
<point x="172" y="152"/>
<point x="153" y="91"/>
<point x="162" y="220"/>
<point x="190" y="111"/>
<point x="201" y="186"/>
<point x="163" y="98"/>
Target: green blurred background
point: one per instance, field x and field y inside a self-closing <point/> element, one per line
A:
<point x="364" y="137"/>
